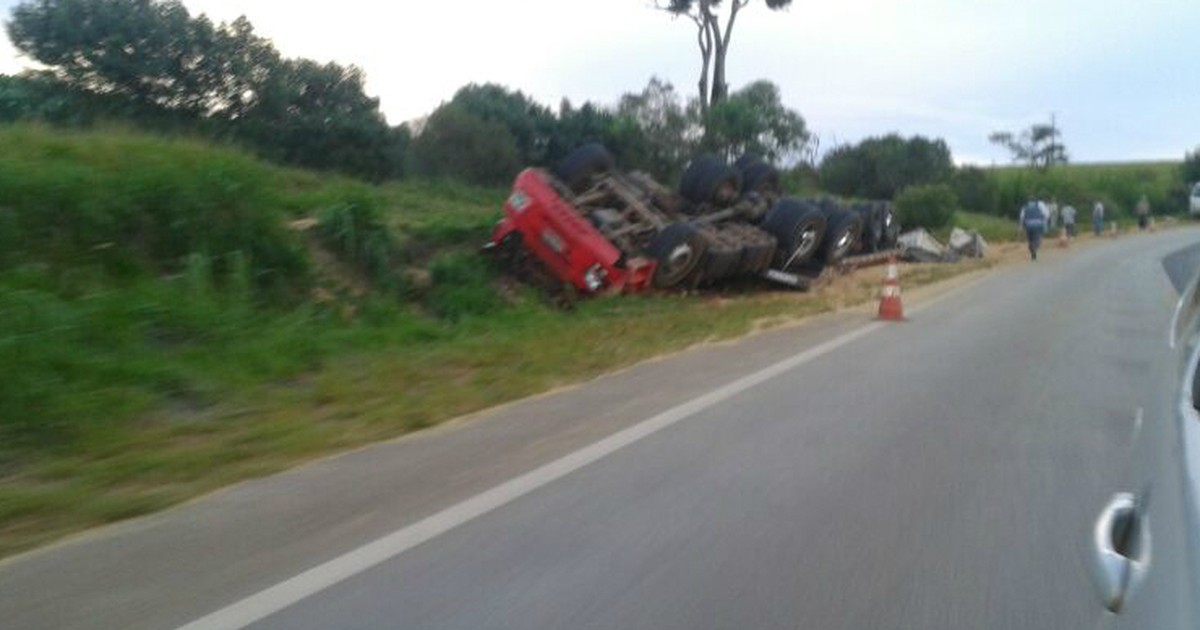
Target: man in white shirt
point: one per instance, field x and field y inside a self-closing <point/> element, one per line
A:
<point x="1068" y="218"/>
<point x="1098" y="217"/>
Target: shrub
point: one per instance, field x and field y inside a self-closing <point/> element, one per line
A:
<point x="930" y="207"/>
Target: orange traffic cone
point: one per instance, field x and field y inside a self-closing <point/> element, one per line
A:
<point x="890" y="307"/>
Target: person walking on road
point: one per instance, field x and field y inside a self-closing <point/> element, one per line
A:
<point x="1033" y="221"/>
<point x="1143" y="212"/>
<point x="1051" y="212"/>
<point x="1068" y="218"/>
<point x="1098" y="218"/>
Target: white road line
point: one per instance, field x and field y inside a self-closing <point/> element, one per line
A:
<point x="274" y="599"/>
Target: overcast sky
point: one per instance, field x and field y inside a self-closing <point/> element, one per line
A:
<point x="1121" y="76"/>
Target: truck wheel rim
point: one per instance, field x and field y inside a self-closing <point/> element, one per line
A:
<point x="808" y="240"/>
<point x="679" y="257"/>
<point x="844" y="241"/>
<point x="677" y="264"/>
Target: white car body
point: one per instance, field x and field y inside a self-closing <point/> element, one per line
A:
<point x="1194" y="201"/>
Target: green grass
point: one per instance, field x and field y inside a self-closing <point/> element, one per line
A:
<point x="993" y="229"/>
<point x="257" y="396"/>
<point x="431" y="216"/>
<point x="132" y="205"/>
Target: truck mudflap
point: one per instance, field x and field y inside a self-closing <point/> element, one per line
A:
<point x="787" y="278"/>
<point x="565" y="242"/>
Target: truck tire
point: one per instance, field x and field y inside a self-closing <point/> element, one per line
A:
<point x="758" y="249"/>
<point x="872" y="226"/>
<point x="826" y="205"/>
<point x="747" y="160"/>
<point x="707" y="180"/>
<point x="582" y="165"/>
<point x="761" y="178"/>
<point x="678" y="250"/>
<point x="844" y="230"/>
<point x="722" y="258"/>
<point x="877" y="224"/>
<point x="798" y="229"/>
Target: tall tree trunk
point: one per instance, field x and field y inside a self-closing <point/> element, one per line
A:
<point x="720" y="87"/>
<point x="712" y="23"/>
<point x="705" y="40"/>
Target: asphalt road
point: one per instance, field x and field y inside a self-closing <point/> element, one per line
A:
<point x="939" y="473"/>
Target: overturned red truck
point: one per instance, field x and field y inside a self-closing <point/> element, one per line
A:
<point x="592" y="229"/>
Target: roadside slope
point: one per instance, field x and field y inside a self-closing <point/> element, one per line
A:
<point x="176" y="317"/>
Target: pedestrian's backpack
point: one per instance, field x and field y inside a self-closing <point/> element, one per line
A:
<point x="1033" y="216"/>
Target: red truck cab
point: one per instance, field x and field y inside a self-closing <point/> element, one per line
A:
<point x="573" y="249"/>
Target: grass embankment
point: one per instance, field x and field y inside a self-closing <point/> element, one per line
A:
<point x="992" y="229"/>
<point x="163" y="332"/>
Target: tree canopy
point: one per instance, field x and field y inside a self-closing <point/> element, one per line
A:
<point x="651" y="130"/>
<point x="1190" y="169"/>
<point x="1040" y="146"/>
<point x="713" y="38"/>
<point x="530" y="123"/>
<point x="456" y="143"/>
<point x="755" y="120"/>
<point x="880" y="168"/>
<point x="577" y="126"/>
<point x="152" y="59"/>
<point x="155" y="64"/>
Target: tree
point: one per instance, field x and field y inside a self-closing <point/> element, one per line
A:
<point x="530" y="123"/>
<point x="1191" y="167"/>
<point x="149" y="61"/>
<point x="881" y="167"/>
<point x="38" y="96"/>
<point x="150" y="52"/>
<point x="241" y="68"/>
<point x="754" y="120"/>
<point x="713" y="38"/>
<point x="1040" y="146"/>
<point x="976" y="191"/>
<point x="25" y="98"/>
<point x="652" y="131"/>
<point x="458" y="144"/>
<point x="318" y="116"/>
<point x="577" y="126"/>
<point x="130" y="47"/>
